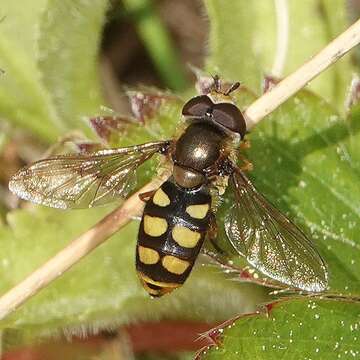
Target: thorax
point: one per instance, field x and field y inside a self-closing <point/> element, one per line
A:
<point x="199" y="146"/>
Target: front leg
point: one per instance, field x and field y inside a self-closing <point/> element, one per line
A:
<point x="245" y="144"/>
<point x="247" y="165"/>
<point x="222" y="167"/>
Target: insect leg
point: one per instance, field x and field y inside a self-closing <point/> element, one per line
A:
<point x="245" y="144"/>
<point x="146" y="196"/>
<point x="165" y="150"/>
<point x="222" y="167"/>
<point x="212" y="234"/>
<point x="247" y="165"/>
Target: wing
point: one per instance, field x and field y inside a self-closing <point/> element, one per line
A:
<point x="271" y="242"/>
<point x="82" y="180"/>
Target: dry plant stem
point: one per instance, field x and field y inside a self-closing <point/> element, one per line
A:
<point x="297" y="80"/>
<point x="76" y="250"/>
<point x="88" y="241"/>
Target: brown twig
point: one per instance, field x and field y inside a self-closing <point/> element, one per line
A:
<point x="88" y="241"/>
<point x="302" y="76"/>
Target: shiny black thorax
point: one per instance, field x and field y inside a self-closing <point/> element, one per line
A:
<point x="199" y="146"/>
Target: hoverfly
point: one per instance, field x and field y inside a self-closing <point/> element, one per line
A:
<point x="180" y="214"/>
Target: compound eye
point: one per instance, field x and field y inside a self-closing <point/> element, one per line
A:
<point x="230" y="117"/>
<point x="198" y="106"/>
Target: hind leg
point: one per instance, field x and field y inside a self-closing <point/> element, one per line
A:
<point x="213" y="235"/>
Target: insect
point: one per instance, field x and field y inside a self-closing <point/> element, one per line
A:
<point x="180" y="214"/>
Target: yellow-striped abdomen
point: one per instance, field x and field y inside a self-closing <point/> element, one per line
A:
<point x="172" y="231"/>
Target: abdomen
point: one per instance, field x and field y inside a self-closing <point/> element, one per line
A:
<point x="172" y="230"/>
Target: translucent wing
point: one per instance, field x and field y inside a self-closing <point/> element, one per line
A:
<point x="82" y="180"/>
<point x="271" y="242"/>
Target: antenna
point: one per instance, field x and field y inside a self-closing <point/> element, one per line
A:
<point x="232" y="88"/>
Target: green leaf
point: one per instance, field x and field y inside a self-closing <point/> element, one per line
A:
<point x="23" y="99"/>
<point x="293" y="329"/>
<point x="160" y="124"/>
<point x="336" y="17"/>
<point x="243" y="41"/>
<point x="313" y="175"/>
<point x="102" y="290"/>
<point x="48" y="50"/>
<point x="69" y="40"/>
